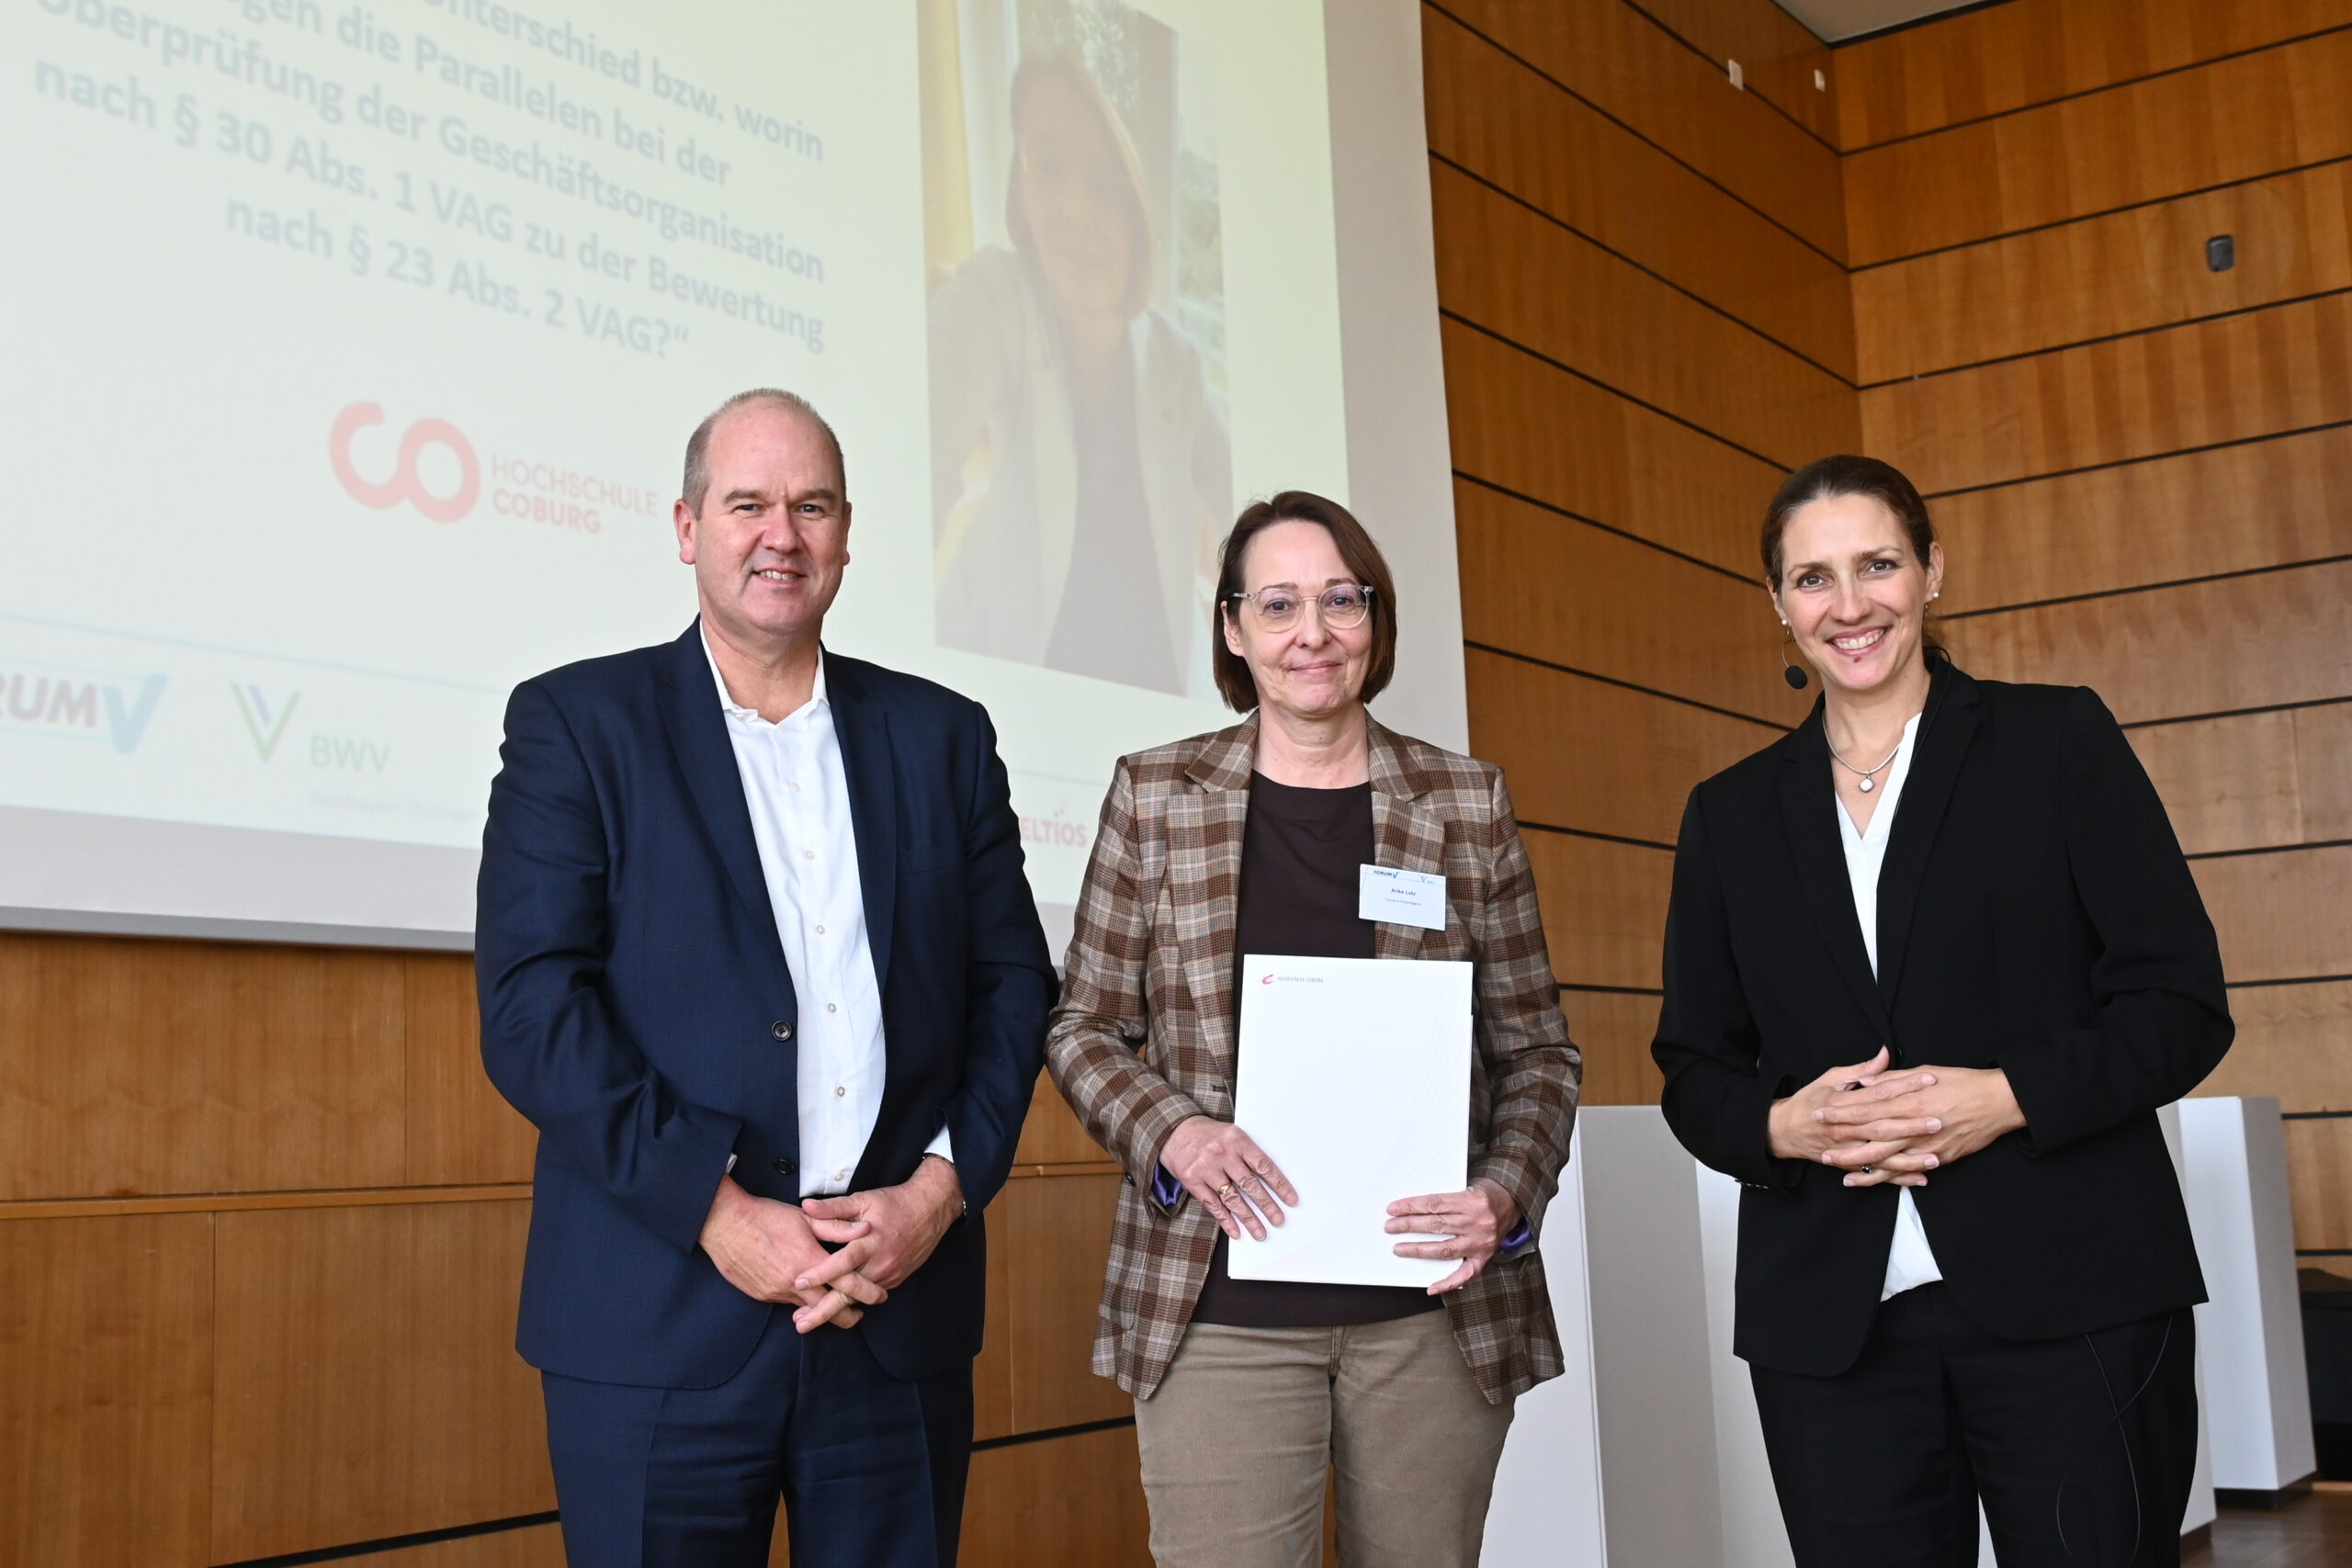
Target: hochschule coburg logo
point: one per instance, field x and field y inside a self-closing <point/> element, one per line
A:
<point x="523" y="486"/>
<point x="407" y="482"/>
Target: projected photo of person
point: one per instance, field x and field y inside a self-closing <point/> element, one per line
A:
<point x="1081" y="468"/>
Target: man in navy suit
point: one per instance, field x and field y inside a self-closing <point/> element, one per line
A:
<point x="758" y="958"/>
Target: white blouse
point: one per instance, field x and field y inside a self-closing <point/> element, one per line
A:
<point x="1909" y="1262"/>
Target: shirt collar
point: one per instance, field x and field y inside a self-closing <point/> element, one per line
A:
<point x="734" y="709"/>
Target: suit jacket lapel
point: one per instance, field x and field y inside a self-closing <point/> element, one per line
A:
<point x="1205" y="824"/>
<point x="697" y="733"/>
<point x="1941" y="746"/>
<point x="868" y="761"/>
<point x="1808" y="801"/>
<point x="1406" y="835"/>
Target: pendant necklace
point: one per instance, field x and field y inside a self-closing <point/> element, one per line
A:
<point x="1869" y="782"/>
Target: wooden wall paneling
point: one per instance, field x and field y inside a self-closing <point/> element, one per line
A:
<point x="1604" y="907"/>
<point x="1615" y="59"/>
<point x="368" y="1383"/>
<point x="1074" y="1502"/>
<point x="1495" y="115"/>
<point x="992" y="1368"/>
<point x="1534" y="428"/>
<point x="2282" y="637"/>
<point x="1056" y="1233"/>
<point x="1582" y="753"/>
<point x="1778" y="53"/>
<point x="2234" y="508"/>
<point x="140" y="1067"/>
<point x="105" y="1383"/>
<point x="2323" y="771"/>
<point x="2290" y="1044"/>
<point x="1053" y="1134"/>
<point x="1613" y="1029"/>
<point x="1524" y="277"/>
<point x="1552" y="588"/>
<point x="532" y="1546"/>
<point x="2280" y="916"/>
<point x="2319" y="1183"/>
<point x="2270" y="371"/>
<point x="2125" y="272"/>
<point x="2228" y="784"/>
<point x="460" y="1130"/>
<point x="2236" y="119"/>
<point x="2002" y="58"/>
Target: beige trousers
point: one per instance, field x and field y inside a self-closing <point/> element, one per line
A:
<point x="1238" y="1440"/>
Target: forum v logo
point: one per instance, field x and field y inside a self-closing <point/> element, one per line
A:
<point x="73" y="706"/>
<point x="264" y="716"/>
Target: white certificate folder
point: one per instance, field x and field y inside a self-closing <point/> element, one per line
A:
<point x="1355" y="1077"/>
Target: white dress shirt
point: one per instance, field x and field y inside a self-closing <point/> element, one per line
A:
<point x="799" y="794"/>
<point x="1909" y="1262"/>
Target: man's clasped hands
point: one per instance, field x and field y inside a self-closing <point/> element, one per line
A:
<point x="829" y="1258"/>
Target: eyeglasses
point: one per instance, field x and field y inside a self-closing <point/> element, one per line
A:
<point x="1343" y="607"/>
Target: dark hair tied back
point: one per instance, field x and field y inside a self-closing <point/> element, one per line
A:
<point x="1828" y="479"/>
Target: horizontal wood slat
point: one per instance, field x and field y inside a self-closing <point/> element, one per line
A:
<point x="105" y="1393"/>
<point x="2293" y="1043"/>
<point x="367" y="1381"/>
<point x="2202" y="647"/>
<point x="1532" y="281"/>
<point x="2126" y="272"/>
<point x="2237" y="118"/>
<point x="1535" y="429"/>
<point x="2280" y="916"/>
<point x="2278" y="370"/>
<point x="1495" y="115"/>
<point x="2002" y="58"/>
<point x="1582" y="753"/>
<point x="1604" y="907"/>
<point x="1614" y="1030"/>
<point x="1555" y="590"/>
<point x="2237" y="508"/>
<point x="532" y="1546"/>
<point x="1617" y="61"/>
<point x="161" y="1067"/>
<point x="1777" y="53"/>
<point x="2253" y="780"/>
<point x="2319" y="1183"/>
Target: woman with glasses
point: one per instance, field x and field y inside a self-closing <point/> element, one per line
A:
<point x="1248" y="1392"/>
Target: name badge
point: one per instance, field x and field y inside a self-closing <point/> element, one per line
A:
<point x="1401" y="897"/>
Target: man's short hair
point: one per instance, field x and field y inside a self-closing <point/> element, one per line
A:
<point x="697" y="483"/>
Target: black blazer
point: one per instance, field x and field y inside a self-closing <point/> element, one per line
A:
<point x="637" y="1007"/>
<point x="2035" y="914"/>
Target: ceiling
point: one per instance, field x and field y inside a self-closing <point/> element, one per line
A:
<point x="1834" y="19"/>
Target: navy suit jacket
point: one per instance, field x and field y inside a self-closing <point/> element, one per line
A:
<point x="637" y="1007"/>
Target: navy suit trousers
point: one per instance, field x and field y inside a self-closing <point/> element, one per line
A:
<point x="870" y="1468"/>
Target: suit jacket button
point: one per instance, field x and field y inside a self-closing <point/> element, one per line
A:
<point x="781" y="1029"/>
<point x="785" y="1167"/>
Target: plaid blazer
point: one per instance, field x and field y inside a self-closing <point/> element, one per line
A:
<point x="1144" y="1036"/>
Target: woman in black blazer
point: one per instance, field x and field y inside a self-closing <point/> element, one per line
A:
<point x="1934" y="960"/>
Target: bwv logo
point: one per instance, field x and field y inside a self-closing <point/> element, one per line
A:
<point x="407" y="480"/>
<point x="71" y="707"/>
<point x="265" y="717"/>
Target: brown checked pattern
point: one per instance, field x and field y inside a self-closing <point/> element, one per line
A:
<point x="1144" y="1036"/>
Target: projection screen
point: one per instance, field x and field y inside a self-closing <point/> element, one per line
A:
<point x="374" y="331"/>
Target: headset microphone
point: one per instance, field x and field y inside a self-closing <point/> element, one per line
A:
<point x="1793" y="676"/>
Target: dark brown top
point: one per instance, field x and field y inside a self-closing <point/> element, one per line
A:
<point x="1300" y="852"/>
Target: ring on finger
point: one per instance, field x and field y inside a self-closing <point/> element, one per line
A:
<point x="1225" y="1190"/>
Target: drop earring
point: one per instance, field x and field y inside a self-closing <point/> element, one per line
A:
<point x="1790" y="672"/>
